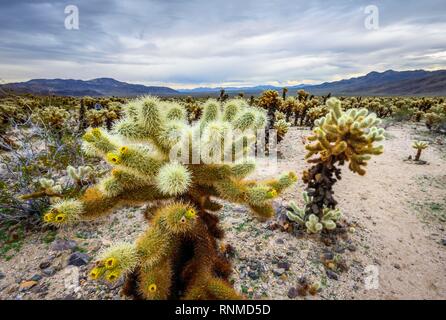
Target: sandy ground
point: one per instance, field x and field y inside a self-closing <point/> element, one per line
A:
<point x="396" y="250"/>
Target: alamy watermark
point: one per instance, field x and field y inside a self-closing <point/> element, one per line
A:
<point x="72" y="17"/>
<point x="371" y="21"/>
<point x="371" y="277"/>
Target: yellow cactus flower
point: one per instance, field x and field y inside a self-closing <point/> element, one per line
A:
<point x="124" y="150"/>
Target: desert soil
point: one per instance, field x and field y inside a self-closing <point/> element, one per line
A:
<point x="395" y="240"/>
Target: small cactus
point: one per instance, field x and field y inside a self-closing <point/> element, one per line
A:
<point x="419" y="146"/>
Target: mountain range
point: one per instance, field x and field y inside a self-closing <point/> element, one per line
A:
<point x="95" y="87"/>
<point x="388" y="83"/>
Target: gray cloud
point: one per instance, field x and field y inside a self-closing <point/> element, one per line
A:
<point x="200" y="42"/>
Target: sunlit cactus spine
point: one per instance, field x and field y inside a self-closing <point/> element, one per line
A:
<point x="338" y="138"/>
<point x="151" y="152"/>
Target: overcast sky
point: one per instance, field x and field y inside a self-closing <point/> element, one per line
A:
<point x="193" y="43"/>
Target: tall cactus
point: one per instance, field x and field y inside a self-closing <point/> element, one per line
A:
<point x="177" y="257"/>
<point x="338" y="138"/>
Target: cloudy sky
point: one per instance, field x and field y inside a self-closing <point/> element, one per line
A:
<point x="189" y="43"/>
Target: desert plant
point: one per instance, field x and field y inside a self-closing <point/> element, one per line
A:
<point x="194" y="110"/>
<point x="271" y="102"/>
<point x="419" y="146"/>
<point x="436" y="118"/>
<point x="339" y="137"/>
<point x="289" y="105"/>
<point x="282" y="128"/>
<point x="309" y="220"/>
<point x="177" y="257"/>
<point x="52" y="118"/>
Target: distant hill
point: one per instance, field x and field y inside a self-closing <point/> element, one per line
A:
<point x="246" y="90"/>
<point x="388" y="83"/>
<point x="95" y="87"/>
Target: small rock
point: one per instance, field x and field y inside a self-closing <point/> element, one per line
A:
<point x="62" y="245"/>
<point x="443" y="242"/>
<point x="328" y="256"/>
<point x="397" y="266"/>
<point x="254" y="275"/>
<point x="339" y="249"/>
<point x="44" y="264"/>
<point x="278" y="271"/>
<point x="50" y="271"/>
<point x="36" y="277"/>
<point x="284" y="265"/>
<point x="2" y="275"/>
<point x="303" y="280"/>
<point x="302" y="290"/>
<point x="332" y="275"/>
<point x="351" y="248"/>
<point x="292" y="293"/>
<point x="26" y="285"/>
<point x="280" y="241"/>
<point x="78" y="259"/>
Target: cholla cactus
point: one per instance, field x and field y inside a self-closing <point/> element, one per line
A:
<point x="279" y="115"/>
<point x="282" y="128"/>
<point x="48" y="188"/>
<point x="177" y="257"/>
<point x="289" y="105"/>
<point x="53" y="118"/>
<point x="194" y="110"/>
<point x="315" y="113"/>
<point x="339" y="137"/>
<point x="436" y="118"/>
<point x="419" y="146"/>
<point x="79" y="175"/>
<point x="270" y="101"/>
<point x="312" y="223"/>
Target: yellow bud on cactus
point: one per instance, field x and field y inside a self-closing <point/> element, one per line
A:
<point x="152" y="288"/>
<point x="272" y="193"/>
<point x="112" y="276"/>
<point x="124" y="150"/>
<point x="190" y="213"/>
<point x="49" y="217"/>
<point x="96" y="272"/>
<point x="113" y="158"/>
<point x="110" y="263"/>
<point x="96" y="132"/>
<point x="60" y="218"/>
<point x="88" y="137"/>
